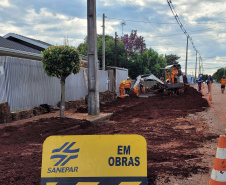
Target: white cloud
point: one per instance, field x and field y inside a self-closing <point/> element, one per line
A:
<point x="194" y="10"/>
<point x="4" y="3"/>
<point x="113" y="3"/>
<point x="9" y="28"/>
<point x="141" y="3"/>
<point x="44" y="21"/>
<point x="56" y="26"/>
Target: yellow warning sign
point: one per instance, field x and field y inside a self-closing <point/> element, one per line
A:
<point x="84" y="159"/>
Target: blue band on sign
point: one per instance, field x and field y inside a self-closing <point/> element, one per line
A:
<point x="100" y="180"/>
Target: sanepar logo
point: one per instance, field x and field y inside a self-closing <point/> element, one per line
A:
<point x="64" y="153"/>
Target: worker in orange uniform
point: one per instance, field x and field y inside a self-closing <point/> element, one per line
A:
<point x="143" y="89"/>
<point x="122" y="89"/>
<point x="223" y="82"/>
<point x="127" y="85"/>
<point x="173" y="74"/>
<point x="135" y="90"/>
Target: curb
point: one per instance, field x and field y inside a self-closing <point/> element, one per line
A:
<point x="104" y="117"/>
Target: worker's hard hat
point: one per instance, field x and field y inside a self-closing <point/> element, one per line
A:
<point x="127" y="77"/>
<point x="123" y="81"/>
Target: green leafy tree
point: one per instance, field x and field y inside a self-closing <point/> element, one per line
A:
<point x="135" y="66"/>
<point x="82" y="47"/>
<point x="171" y="59"/>
<point x="60" y="62"/>
<point x="205" y="77"/>
<point x="218" y="74"/>
<point x="131" y="54"/>
<point x="109" y="50"/>
<point x="153" y="62"/>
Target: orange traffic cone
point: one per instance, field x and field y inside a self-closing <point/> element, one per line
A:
<point x="202" y="87"/>
<point x="210" y="96"/>
<point x="218" y="176"/>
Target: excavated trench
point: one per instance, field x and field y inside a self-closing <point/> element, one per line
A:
<point x="172" y="141"/>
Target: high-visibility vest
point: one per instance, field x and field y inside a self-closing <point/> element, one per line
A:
<point x="223" y="81"/>
<point x="143" y="90"/>
<point x="127" y="84"/>
<point x="135" y="90"/>
<point x="121" y="86"/>
<point x="175" y="72"/>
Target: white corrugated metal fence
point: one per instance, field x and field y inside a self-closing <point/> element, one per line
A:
<point x="25" y="85"/>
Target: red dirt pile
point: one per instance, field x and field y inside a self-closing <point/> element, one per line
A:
<point x="172" y="141"/>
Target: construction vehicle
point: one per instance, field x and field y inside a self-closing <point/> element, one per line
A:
<point x="147" y="78"/>
<point x="178" y="86"/>
<point x="164" y="84"/>
<point x="150" y="84"/>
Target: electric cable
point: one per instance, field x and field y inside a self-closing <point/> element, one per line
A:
<point x="148" y="21"/>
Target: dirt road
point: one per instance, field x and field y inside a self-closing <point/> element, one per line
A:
<point x="181" y="134"/>
<point x="216" y="114"/>
<point x="214" y="118"/>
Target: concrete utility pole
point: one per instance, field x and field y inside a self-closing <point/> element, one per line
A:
<point x="103" y="45"/>
<point x="186" y="62"/>
<point x="116" y="51"/>
<point x="195" y="66"/>
<point x="93" y="91"/>
<point x="202" y="67"/>
<point x="199" y="66"/>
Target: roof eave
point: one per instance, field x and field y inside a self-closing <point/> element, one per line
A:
<point x="25" y="40"/>
<point x="20" y="54"/>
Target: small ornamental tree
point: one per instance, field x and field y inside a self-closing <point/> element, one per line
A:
<point x="60" y="62"/>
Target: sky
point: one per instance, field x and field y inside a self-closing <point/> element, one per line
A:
<point x="52" y="21"/>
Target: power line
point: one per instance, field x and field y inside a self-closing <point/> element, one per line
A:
<point x="180" y="24"/>
<point x="121" y="19"/>
<point x="206" y="43"/>
<point x="139" y="21"/>
<point x="160" y="23"/>
<point x="165" y="42"/>
<point x="148" y="21"/>
<point x="183" y="33"/>
<point x="151" y="22"/>
<point x="135" y="28"/>
<point x="186" y="33"/>
<point x="209" y="23"/>
<point x="210" y="57"/>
